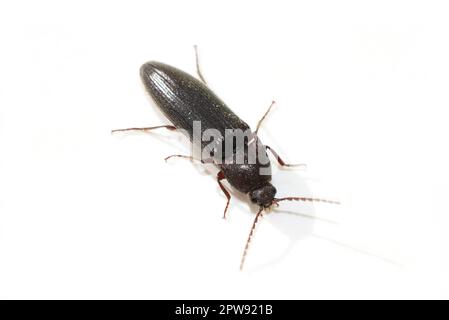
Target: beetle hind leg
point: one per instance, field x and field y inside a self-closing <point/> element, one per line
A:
<point x="146" y="129"/>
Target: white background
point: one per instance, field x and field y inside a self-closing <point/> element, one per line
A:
<point x="362" y="92"/>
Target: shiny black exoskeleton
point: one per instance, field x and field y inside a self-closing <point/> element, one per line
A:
<point x="184" y="99"/>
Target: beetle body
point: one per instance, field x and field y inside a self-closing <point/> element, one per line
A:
<point x="184" y="99"/>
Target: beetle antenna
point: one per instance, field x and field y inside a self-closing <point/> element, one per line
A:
<point x="277" y="200"/>
<point x="250" y="237"/>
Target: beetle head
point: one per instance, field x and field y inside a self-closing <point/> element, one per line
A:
<point x="263" y="196"/>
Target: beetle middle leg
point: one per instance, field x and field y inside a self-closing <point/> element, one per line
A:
<point x="278" y="158"/>
<point x="282" y="162"/>
<point x="168" y="127"/>
<point x="220" y="176"/>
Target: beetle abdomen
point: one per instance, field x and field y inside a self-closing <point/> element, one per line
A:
<point x="184" y="99"/>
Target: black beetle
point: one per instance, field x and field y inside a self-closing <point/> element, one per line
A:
<point x="185" y="101"/>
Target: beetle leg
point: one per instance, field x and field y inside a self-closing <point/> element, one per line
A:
<point x="264" y="116"/>
<point x="168" y="127"/>
<point x="280" y="161"/>
<point x="221" y="176"/>
<point x="190" y="158"/>
<point x="198" y="70"/>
